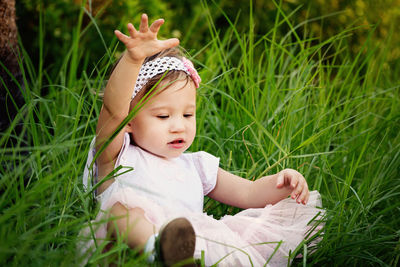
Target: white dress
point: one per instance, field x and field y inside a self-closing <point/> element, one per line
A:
<point x="170" y="188"/>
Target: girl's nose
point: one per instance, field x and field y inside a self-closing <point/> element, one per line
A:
<point x="177" y="125"/>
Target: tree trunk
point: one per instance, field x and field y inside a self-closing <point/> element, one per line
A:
<point x="10" y="94"/>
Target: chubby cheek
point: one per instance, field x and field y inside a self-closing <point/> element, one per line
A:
<point x="150" y="133"/>
<point x="155" y="135"/>
<point x="193" y="132"/>
<point x="147" y="139"/>
<point x="139" y="134"/>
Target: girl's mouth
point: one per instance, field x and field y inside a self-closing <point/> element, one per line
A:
<point x="177" y="143"/>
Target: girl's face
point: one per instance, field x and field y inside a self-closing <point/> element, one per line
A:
<point x="166" y="125"/>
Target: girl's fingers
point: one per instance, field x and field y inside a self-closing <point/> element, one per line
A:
<point x="169" y="43"/>
<point x="306" y="198"/>
<point x="296" y="192"/>
<point x="281" y="180"/>
<point x="144" y="24"/>
<point x="132" y="30"/>
<point x="122" y="37"/>
<point x="294" y="181"/>
<point x="304" y="195"/>
<point x="155" y="26"/>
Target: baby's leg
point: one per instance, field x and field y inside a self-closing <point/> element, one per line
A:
<point x="177" y="239"/>
<point x="130" y="224"/>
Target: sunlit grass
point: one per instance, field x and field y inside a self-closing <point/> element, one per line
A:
<point x="267" y="103"/>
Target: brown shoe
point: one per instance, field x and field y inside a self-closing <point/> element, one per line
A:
<point x="177" y="241"/>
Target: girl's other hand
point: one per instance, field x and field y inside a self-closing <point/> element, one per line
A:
<point x="144" y="43"/>
<point x="295" y="181"/>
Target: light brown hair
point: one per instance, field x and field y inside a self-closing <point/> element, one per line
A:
<point x="170" y="76"/>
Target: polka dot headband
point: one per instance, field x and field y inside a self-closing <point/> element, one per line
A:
<point x="161" y="65"/>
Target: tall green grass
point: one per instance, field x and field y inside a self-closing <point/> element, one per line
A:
<point x="266" y="103"/>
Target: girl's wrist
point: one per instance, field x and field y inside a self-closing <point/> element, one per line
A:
<point x="130" y="60"/>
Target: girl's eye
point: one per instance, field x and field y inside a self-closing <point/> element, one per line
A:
<point x="163" y="116"/>
<point x="188" y="115"/>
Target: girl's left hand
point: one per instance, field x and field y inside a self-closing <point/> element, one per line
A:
<point x="296" y="183"/>
<point x="143" y="43"/>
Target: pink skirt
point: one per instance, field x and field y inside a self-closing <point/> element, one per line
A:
<point x="252" y="237"/>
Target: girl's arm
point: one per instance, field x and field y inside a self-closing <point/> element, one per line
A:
<point x="117" y="95"/>
<point x="239" y="192"/>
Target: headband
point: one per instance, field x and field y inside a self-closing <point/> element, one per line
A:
<point x="161" y="65"/>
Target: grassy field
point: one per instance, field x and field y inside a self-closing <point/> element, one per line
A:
<point x="266" y="103"/>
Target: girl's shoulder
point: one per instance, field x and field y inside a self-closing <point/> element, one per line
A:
<point x="127" y="150"/>
<point x="203" y="161"/>
<point x="200" y="156"/>
<point x="206" y="166"/>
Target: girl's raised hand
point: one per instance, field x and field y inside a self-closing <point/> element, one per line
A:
<point x="296" y="182"/>
<point x="144" y="43"/>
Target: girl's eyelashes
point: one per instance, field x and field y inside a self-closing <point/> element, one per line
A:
<point x="186" y="115"/>
<point x="163" y="116"/>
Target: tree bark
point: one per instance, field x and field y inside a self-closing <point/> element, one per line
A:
<point x="10" y="94"/>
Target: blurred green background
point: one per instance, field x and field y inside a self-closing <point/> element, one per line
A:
<point x="324" y="18"/>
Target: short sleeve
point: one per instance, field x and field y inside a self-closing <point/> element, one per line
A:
<point x="89" y="178"/>
<point x="123" y="150"/>
<point x="207" y="168"/>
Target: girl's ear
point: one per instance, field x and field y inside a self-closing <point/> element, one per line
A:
<point x="128" y="127"/>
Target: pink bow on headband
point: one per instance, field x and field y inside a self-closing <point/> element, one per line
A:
<point x="193" y="73"/>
